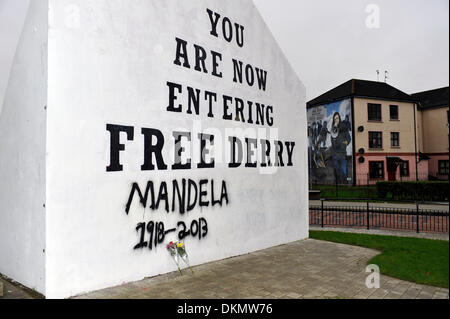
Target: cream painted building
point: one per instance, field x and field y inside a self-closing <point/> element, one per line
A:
<point x="434" y="107"/>
<point x="394" y="135"/>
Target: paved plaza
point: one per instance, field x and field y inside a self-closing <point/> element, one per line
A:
<point x="299" y="270"/>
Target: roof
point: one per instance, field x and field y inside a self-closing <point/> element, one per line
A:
<point x="362" y="88"/>
<point x="432" y="98"/>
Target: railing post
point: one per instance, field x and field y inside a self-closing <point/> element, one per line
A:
<point x="368" y="193"/>
<point x="368" y="220"/>
<point x="322" y="200"/>
<point x="417" y="216"/>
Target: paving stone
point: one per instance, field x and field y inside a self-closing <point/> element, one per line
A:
<point x="306" y="269"/>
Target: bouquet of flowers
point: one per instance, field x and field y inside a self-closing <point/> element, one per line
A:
<point x="178" y="251"/>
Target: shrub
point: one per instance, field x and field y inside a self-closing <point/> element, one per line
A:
<point x="426" y="190"/>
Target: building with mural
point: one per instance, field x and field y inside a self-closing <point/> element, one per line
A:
<point x="390" y="135"/>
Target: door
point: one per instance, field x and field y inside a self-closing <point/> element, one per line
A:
<point x="392" y="169"/>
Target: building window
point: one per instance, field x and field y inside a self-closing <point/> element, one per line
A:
<point x="374" y="112"/>
<point x="404" y="169"/>
<point x="395" y="139"/>
<point x="393" y="111"/>
<point x="443" y="167"/>
<point x="376" y="169"/>
<point x="375" y="140"/>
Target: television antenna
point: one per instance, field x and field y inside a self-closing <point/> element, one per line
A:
<point x="386" y="76"/>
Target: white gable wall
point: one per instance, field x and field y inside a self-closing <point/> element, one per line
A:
<point x="109" y="61"/>
<point x="22" y="156"/>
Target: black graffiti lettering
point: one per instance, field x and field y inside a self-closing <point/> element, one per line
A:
<point x="214" y="18"/>
<point x="249" y="72"/>
<point x="150" y="149"/>
<point x="204" y="228"/>
<point x="193" y="100"/>
<point x="279" y="153"/>
<point x="290" y="150"/>
<point x="237" y="66"/>
<point x="181" y="53"/>
<point x="194" y="228"/>
<point x="184" y="195"/>
<point x="269" y="115"/>
<point x="182" y="234"/>
<point x="179" y="150"/>
<point x="170" y="231"/>
<point x="203" y="193"/>
<point x="251" y="145"/>
<point x="201" y="56"/>
<point x="224" y="193"/>
<point x="140" y="228"/>
<point x="226" y="100"/>
<point x="151" y="231"/>
<point x="181" y="197"/>
<point x="227" y="28"/>
<point x="162" y="195"/>
<point x="173" y="97"/>
<point x="265" y="151"/>
<point x="249" y="75"/>
<point x="250" y="112"/>
<point x="209" y="97"/>
<point x="205" y="151"/>
<point x="213" y="201"/>
<point x="160" y="233"/>
<point x="216" y="58"/>
<point x="257" y="152"/>
<point x="142" y="198"/>
<point x="157" y="232"/>
<point x="235" y="162"/>
<point x="116" y="146"/>
<point x="239" y="110"/>
<point x="260" y="113"/>
<point x="262" y="78"/>
<point x="191" y="185"/>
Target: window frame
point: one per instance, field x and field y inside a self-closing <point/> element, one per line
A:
<point x="401" y="169"/>
<point x="398" y="139"/>
<point x="370" y="139"/>
<point x="440" y="169"/>
<point x="380" y="112"/>
<point x="390" y="112"/>
<point x="378" y="169"/>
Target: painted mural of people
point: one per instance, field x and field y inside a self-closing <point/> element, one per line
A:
<point x="347" y="123"/>
<point x="323" y="134"/>
<point x="340" y="139"/>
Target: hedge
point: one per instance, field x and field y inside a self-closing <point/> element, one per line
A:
<point x="426" y="190"/>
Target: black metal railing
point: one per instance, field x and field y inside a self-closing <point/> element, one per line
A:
<point x="369" y="216"/>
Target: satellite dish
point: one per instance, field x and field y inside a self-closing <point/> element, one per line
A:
<point x="361" y="160"/>
<point x="361" y="129"/>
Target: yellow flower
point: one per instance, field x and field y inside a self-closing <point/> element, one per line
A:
<point x="180" y="245"/>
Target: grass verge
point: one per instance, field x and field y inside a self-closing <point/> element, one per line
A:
<point x="423" y="261"/>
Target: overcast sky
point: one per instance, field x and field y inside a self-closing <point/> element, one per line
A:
<point x="328" y="41"/>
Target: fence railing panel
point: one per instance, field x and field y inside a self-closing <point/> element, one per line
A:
<point x="375" y="217"/>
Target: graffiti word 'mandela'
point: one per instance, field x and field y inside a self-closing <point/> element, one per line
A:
<point x="185" y="195"/>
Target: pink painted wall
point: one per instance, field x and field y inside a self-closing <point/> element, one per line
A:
<point x="362" y="169"/>
<point x="434" y="163"/>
